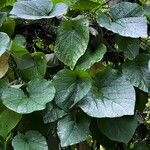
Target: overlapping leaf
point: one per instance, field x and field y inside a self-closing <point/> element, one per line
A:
<point x="118" y="129"/>
<point x="38" y="9"/>
<point x="137" y="72"/>
<point x="72" y="40"/>
<point x="37" y="94"/>
<point x="71" y="132"/>
<point x="125" y="19"/>
<point x="32" y="140"/>
<point x="112" y="96"/>
<point x="71" y="87"/>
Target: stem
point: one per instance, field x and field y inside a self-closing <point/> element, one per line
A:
<point x="5" y="145"/>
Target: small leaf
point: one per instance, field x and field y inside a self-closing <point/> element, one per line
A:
<point x="118" y="129"/>
<point x="137" y="72"/>
<point x="35" y="64"/>
<point x="72" y="40"/>
<point x="4" y="64"/>
<point x="89" y="58"/>
<point x="38" y="94"/>
<point x="8" y="121"/>
<point x="3" y="16"/>
<point x="71" y="87"/>
<point x="4" y="42"/>
<point x="126" y="19"/>
<point x="53" y="113"/>
<point x="140" y="146"/>
<point x="71" y="132"/>
<point x="111" y="96"/>
<point x="32" y="140"/>
<point x="38" y="9"/>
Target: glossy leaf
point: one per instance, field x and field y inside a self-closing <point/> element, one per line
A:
<point x="72" y="40"/>
<point x="4" y="42"/>
<point x="37" y="94"/>
<point x="137" y="72"/>
<point x="71" y="132"/>
<point x="71" y="87"/>
<point x="32" y="140"/>
<point x="126" y="19"/>
<point x="91" y="57"/>
<point x="53" y="113"/>
<point x="112" y="96"/>
<point x="38" y="9"/>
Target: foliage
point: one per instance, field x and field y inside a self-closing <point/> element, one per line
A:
<point x="74" y="74"/>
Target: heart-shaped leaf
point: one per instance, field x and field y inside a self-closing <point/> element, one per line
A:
<point x="72" y="40"/>
<point x="112" y="96"/>
<point x="118" y="129"/>
<point x="32" y="140"/>
<point x="38" y="9"/>
<point x="71" y="132"/>
<point x="125" y="19"/>
<point x="37" y="94"/>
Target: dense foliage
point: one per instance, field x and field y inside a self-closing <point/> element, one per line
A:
<point x="74" y="74"/>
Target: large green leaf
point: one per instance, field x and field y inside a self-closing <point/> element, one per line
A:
<point x="72" y="40"/>
<point x="34" y="97"/>
<point x="137" y="72"/>
<point x="32" y="140"/>
<point x="4" y="42"/>
<point x="71" y="132"/>
<point x="129" y="46"/>
<point x="38" y="9"/>
<point x="125" y="19"/>
<point x="111" y="96"/>
<point x="118" y="129"/>
<point x="8" y="121"/>
<point x="53" y="113"/>
<point x="91" y="57"/>
<point x="71" y="87"/>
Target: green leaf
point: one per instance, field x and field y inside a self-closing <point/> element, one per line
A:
<point x="72" y="132"/>
<point x="91" y="57"/>
<point x="4" y="42"/>
<point x="35" y="97"/>
<point x="72" y="40"/>
<point x="53" y="113"/>
<point x="38" y="9"/>
<point x="3" y="16"/>
<point x="8" y="121"/>
<point x="137" y="72"/>
<point x="71" y="87"/>
<point x="8" y="26"/>
<point x="140" y="146"/>
<point x="111" y="96"/>
<point x="32" y="140"/>
<point x="4" y="3"/>
<point x="118" y="129"/>
<point x="125" y="19"/>
<point x="35" y="65"/>
<point x="85" y="5"/>
<point x="129" y="46"/>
